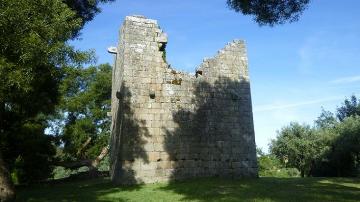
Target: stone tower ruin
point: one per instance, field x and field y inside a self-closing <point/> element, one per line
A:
<point x="170" y="125"/>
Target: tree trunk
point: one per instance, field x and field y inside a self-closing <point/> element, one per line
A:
<point x="74" y="164"/>
<point x="92" y="163"/>
<point x="87" y="142"/>
<point x="96" y="161"/>
<point x="7" y="190"/>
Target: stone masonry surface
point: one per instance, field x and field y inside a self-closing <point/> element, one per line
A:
<point x="170" y="125"/>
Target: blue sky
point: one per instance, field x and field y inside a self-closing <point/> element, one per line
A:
<point x="295" y="69"/>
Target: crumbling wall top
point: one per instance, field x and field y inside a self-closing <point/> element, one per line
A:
<point x="140" y="19"/>
<point x="231" y="59"/>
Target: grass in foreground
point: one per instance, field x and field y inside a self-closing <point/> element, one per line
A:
<point x="210" y="189"/>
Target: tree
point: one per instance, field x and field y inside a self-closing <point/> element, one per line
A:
<point x="32" y="50"/>
<point x="82" y="124"/>
<point x="344" y="155"/>
<point x="34" y="152"/>
<point x="326" y="119"/>
<point x="350" y="107"/>
<point x="296" y="146"/>
<point x="7" y="188"/>
<point x="270" y="12"/>
<point x="330" y="149"/>
<point x="86" y="9"/>
<point x="33" y="53"/>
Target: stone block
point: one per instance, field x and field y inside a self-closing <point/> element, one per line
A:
<point x="148" y="166"/>
<point x="154" y="156"/>
<point x="149" y="147"/>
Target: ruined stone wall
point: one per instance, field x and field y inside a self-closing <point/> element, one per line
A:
<point x="172" y="125"/>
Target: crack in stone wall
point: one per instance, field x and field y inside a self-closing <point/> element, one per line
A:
<point x="170" y="125"/>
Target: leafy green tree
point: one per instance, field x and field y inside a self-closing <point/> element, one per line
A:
<point x="270" y="12"/>
<point x="350" y="107"/>
<point x="325" y="120"/>
<point x="344" y="155"/>
<point x="35" y="152"/>
<point x="86" y="9"/>
<point x="340" y="155"/>
<point x="33" y="54"/>
<point x="324" y="138"/>
<point x="82" y="123"/>
<point x="330" y="149"/>
<point x="297" y="146"/>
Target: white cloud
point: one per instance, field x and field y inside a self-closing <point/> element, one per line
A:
<point x="312" y="48"/>
<point x="349" y="79"/>
<point x="306" y="62"/>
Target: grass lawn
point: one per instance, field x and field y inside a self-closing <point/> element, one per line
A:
<point x="210" y="189"/>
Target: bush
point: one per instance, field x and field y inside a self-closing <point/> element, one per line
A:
<point x="60" y="172"/>
<point x="270" y="166"/>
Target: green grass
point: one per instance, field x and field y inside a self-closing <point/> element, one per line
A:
<point x="210" y="189"/>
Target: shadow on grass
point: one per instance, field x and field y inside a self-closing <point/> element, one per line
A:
<point x="206" y="189"/>
<point x="268" y="189"/>
<point x="77" y="190"/>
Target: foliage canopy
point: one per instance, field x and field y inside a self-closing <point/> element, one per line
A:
<point x="82" y="111"/>
<point x="329" y="149"/>
<point x="271" y="12"/>
<point x="33" y="56"/>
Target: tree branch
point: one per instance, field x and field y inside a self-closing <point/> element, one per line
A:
<point x="87" y="142"/>
<point x="91" y="163"/>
